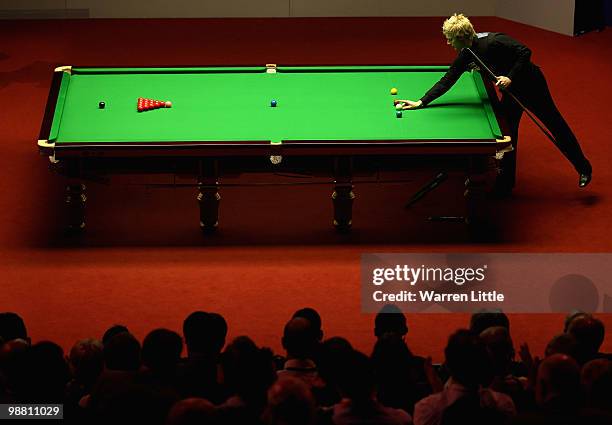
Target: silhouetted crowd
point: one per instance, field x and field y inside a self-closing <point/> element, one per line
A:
<point x="318" y="380"/>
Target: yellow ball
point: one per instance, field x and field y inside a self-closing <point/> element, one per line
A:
<point x="394" y="91"/>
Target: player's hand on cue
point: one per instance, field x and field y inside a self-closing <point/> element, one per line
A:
<point x="503" y="82"/>
<point x="408" y="104"/>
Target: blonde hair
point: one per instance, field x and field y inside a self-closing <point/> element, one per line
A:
<point x="458" y="26"/>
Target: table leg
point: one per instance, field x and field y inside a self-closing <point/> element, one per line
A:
<point x="75" y="201"/>
<point x="208" y="195"/>
<point x="343" y="194"/>
<point x="475" y="192"/>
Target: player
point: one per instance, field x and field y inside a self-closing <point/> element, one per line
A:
<point x="511" y="62"/>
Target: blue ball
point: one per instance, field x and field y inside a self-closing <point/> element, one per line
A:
<point x="273" y="103"/>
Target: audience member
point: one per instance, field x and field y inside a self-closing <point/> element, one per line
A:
<point x="390" y="319"/>
<point x="333" y="353"/>
<point x="570" y="318"/>
<point x="12" y="370"/>
<point x="290" y="402"/>
<point x="562" y="344"/>
<point x="116" y="385"/>
<point x="122" y="352"/>
<point x="559" y="397"/>
<point x="86" y="361"/>
<point x="300" y="340"/>
<point x="12" y="327"/>
<point x="204" y="335"/>
<point x="112" y="331"/>
<point x="314" y="318"/>
<point x="500" y="348"/>
<point x="248" y="372"/>
<point x="484" y="319"/>
<point x="45" y="374"/>
<point x="400" y="375"/>
<point x="589" y="333"/>
<point x="359" y="404"/>
<point x="596" y="380"/>
<point x="161" y="352"/>
<point x="558" y="384"/>
<point x="469" y="366"/>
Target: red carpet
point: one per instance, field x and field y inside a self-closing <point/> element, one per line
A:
<point x="143" y="261"/>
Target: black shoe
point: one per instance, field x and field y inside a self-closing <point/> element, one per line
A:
<point x="584" y="180"/>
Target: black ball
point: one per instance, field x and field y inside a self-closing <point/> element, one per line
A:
<point x="101" y="105"/>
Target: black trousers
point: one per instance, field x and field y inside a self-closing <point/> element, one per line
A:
<point x="532" y="91"/>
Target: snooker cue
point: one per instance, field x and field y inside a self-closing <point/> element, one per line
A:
<point x="533" y="118"/>
<point x="439" y="178"/>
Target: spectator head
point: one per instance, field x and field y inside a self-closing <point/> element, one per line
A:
<point x="46" y="373"/>
<point x="337" y="344"/>
<point x="192" y="411"/>
<point x="290" y="402"/>
<point x="589" y="333"/>
<point x="86" y="361"/>
<point x="12" y="327"/>
<point x="500" y="348"/>
<point x="112" y="331"/>
<point x="11" y="347"/>
<point x="596" y="379"/>
<point x="334" y="352"/>
<point x="299" y="338"/>
<point x="313" y="317"/>
<point x="248" y="371"/>
<point x="12" y="364"/>
<point x="161" y="350"/>
<point x="356" y="378"/>
<point x="467" y="359"/>
<point x="558" y="379"/>
<point x="487" y="318"/>
<point x="570" y="318"/>
<point x="204" y="333"/>
<point x="122" y="352"/>
<point x="390" y="350"/>
<point x="390" y="319"/>
<point x="562" y="344"/>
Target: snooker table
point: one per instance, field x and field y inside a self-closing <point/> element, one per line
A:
<point x="332" y="120"/>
